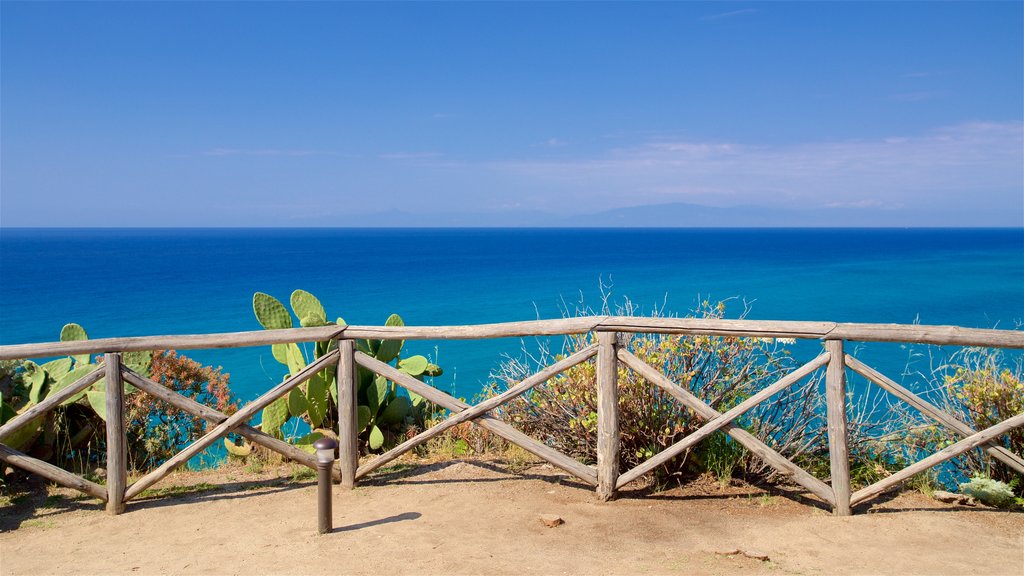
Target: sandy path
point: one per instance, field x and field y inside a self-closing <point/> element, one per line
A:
<point x="474" y="518"/>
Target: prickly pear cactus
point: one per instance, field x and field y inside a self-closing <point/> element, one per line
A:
<point x="44" y="380"/>
<point x="383" y="411"/>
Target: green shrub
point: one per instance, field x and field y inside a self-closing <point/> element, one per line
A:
<point x="156" y="430"/>
<point x="722" y="371"/>
<point x="983" y="391"/>
<point x="989" y="491"/>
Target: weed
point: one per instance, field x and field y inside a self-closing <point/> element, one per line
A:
<point x="171" y="491"/>
<point x="13" y="499"/>
<point x="517" y="459"/>
<point x="302" y="474"/>
<point x="53" y="501"/>
<point x="38" y="523"/>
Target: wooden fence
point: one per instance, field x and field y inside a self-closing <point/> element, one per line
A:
<point x="605" y="476"/>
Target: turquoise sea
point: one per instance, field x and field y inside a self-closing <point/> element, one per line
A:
<point x="129" y="282"/>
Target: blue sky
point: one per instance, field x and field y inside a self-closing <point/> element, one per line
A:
<point x="340" y="114"/>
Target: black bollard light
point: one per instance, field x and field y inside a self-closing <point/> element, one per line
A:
<point x="325" y="448"/>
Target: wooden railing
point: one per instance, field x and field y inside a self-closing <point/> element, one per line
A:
<point x="605" y="476"/>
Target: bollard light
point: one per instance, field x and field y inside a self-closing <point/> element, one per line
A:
<point x="325" y="448"/>
<point x="324" y="462"/>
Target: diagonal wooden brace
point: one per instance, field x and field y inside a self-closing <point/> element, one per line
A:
<point x="230" y="424"/>
<point x="51" y="472"/>
<point x="928" y="409"/>
<point x="969" y="443"/>
<point x="52" y="401"/>
<point x="215" y="417"/>
<point x="480" y="409"/>
<point x="717" y="420"/>
<point x="485" y="421"/>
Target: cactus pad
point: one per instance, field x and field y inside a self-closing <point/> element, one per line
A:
<point x="271" y="314"/>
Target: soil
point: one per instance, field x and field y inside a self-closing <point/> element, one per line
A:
<point x="481" y="517"/>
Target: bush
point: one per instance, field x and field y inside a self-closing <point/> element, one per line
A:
<point x="157" y="430"/>
<point x="72" y="435"/>
<point x="978" y="386"/>
<point x="984" y="392"/>
<point x="722" y="371"/>
<point x="989" y="491"/>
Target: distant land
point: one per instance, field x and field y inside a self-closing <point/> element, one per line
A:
<point x="683" y="215"/>
<point x="669" y="215"/>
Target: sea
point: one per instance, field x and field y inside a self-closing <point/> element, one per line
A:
<point x="138" y="282"/>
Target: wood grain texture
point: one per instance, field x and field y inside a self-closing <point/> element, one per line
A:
<point x="948" y="453"/>
<point x="51" y="472"/>
<point x="748" y="440"/>
<point x="51" y="402"/>
<point x="608" y="439"/>
<point x="348" y="416"/>
<point x="553" y="327"/>
<point x="487" y="422"/>
<point x="1014" y="461"/>
<point x="117" y="442"/>
<point x="718" y="327"/>
<point x="838" y="439"/>
<point x="175" y="342"/>
<point x="922" y="334"/>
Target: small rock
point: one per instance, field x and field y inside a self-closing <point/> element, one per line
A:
<point x="952" y="498"/>
<point x="755" y="554"/>
<point x="551" y="520"/>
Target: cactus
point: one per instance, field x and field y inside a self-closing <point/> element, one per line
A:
<point x="237" y="450"/>
<point x="72" y="332"/>
<point x="308" y="309"/>
<point x="44" y="380"/>
<point x="270" y="313"/>
<point x="382" y="410"/>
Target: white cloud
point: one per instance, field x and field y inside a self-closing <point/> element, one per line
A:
<point x="946" y="167"/>
<point x="409" y="155"/>
<point x="865" y="203"/>
<point x="266" y="152"/>
<point x="730" y="14"/>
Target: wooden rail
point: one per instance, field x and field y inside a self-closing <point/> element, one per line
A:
<point x="609" y="355"/>
<point x="920" y="334"/>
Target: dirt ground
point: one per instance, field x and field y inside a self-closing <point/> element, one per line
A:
<point x="477" y="517"/>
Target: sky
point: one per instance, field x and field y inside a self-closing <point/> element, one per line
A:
<point x="418" y="114"/>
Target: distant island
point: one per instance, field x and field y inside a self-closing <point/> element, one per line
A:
<point x="684" y="215"/>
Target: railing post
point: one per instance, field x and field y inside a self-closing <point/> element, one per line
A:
<point x="348" y="416"/>
<point x="117" y="443"/>
<point x="838" y="447"/>
<point x="607" y="415"/>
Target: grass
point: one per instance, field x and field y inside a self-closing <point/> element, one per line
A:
<point x="54" y="501"/>
<point x="517" y="459"/>
<point x="172" y="491"/>
<point x="302" y="474"/>
<point x="398" y="469"/>
<point x="13" y="499"/>
<point x="764" y="500"/>
<point x="38" y="523"/>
